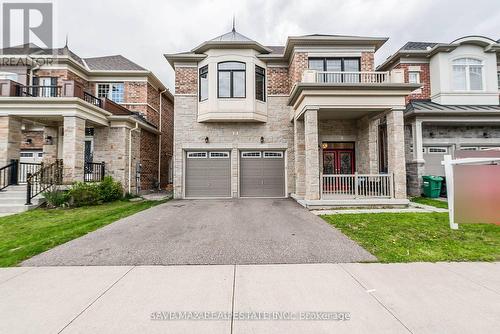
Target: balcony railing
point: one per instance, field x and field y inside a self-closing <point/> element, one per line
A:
<point x="92" y="99"/>
<point x="363" y="77"/>
<point x="357" y="186"/>
<point x="38" y="91"/>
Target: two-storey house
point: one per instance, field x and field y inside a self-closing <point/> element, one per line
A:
<point x="457" y="107"/>
<point x="311" y="119"/>
<point x="93" y="116"/>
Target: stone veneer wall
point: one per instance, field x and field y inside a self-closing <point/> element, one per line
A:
<point x="278" y="130"/>
<point x="10" y="139"/>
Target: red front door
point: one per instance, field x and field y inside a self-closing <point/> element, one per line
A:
<point x="338" y="161"/>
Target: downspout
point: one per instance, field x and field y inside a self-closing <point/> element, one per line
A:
<point x="159" y="142"/>
<point x="130" y="156"/>
<point x="32" y="69"/>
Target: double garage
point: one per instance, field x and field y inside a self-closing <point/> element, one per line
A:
<point x="260" y="174"/>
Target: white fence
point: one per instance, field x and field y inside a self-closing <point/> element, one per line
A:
<point x="357" y="186"/>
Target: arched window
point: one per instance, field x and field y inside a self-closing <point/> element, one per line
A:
<point x="467" y="74"/>
<point x="231" y="76"/>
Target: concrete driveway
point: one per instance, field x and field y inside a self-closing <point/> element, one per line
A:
<point x="237" y="231"/>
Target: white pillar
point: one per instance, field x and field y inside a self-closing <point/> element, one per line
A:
<point x="416" y="132"/>
<point x="312" y="181"/>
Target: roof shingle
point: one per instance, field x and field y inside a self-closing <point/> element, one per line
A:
<point x="112" y="63"/>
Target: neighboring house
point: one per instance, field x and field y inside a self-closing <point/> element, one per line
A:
<point x="310" y="119"/>
<point x="457" y="107"/>
<point x="85" y="111"/>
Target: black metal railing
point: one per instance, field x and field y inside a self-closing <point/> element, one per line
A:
<point x="38" y="91"/>
<point x="45" y="178"/>
<point x="94" y="171"/>
<point x="87" y="97"/>
<point x="8" y="174"/>
<point x="25" y="168"/>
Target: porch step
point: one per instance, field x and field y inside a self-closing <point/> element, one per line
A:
<point x="13" y="200"/>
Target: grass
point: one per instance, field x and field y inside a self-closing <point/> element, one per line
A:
<point x="414" y="237"/>
<point x="429" y="201"/>
<point x="29" y="233"/>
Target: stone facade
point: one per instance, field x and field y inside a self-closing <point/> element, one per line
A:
<point x="73" y="149"/>
<point x="396" y="151"/>
<point x="311" y="142"/>
<point x="277" y="133"/>
<point x="50" y="148"/>
<point x="10" y="139"/>
<point x="300" y="158"/>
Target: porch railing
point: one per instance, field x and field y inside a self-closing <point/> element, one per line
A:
<point x="94" y="171"/>
<point x="352" y="77"/>
<point x="357" y="186"/>
<point x="25" y="168"/>
<point x="44" y="179"/>
<point x="8" y="174"/>
<point x="87" y="97"/>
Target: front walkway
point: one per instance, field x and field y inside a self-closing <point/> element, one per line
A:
<point x="235" y="231"/>
<point x="377" y="298"/>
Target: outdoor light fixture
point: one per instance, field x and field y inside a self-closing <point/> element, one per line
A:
<point x="206" y="140"/>
<point x="431" y="134"/>
<point x="486" y="135"/>
<point x="262" y="140"/>
<point x="48" y="140"/>
<point x="29" y="141"/>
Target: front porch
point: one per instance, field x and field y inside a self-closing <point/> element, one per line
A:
<point x="349" y="142"/>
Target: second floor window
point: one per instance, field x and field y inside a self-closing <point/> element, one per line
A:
<point x="414" y="77"/>
<point x="204" y="83"/>
<point x="113" y="91"/>
<point x="260" y="83"/>
<point x="467" y="74"/>
<point x="332" y="67"/>
<point x="231" y="78"/>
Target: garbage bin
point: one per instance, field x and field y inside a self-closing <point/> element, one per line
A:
<point x="432" y="185"/>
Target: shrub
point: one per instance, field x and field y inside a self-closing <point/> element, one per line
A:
<point x="110" y="190"/>
<point x="83" y="194"/>
<point x="56" y="198"/>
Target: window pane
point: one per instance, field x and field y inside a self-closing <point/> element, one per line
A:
<point x="239" y="84"/>
<point x="224" y="84"/>
<point x="476" y="77"/>
<point x="102" y="90"/>
<point x="259" y="83"/>
<point x="231" y="65"/>
<point x="334" y="65"/>
<point x="414" y="77"/>
<point x="117" y="92"/>
<point x="203" y="83"/>
<point x="351" y="65"/>
<point x="459" y="80"/>
<point x="316" y="64"/>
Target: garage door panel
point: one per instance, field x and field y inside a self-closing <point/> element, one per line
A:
<point x="208" y="177"/>
<point x="262" y="177"/>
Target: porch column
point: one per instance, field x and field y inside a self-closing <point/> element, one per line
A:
<point x="299" y="149"/>
<point x="311" y="142"/>
<point x="50" y="143"/>
<point x="396" y="151"/>
<point x="10" y="139"/>
<point x="416" y="167"/>
<point x="373" y="146"/>
<point x="73" y="148"/>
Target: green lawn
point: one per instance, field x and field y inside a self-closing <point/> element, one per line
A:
<point x="429" y="201"/>
<point x="27" y="234"/>
<point x="413" y="237"/>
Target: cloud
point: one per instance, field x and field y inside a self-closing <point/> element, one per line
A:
<point x="144" y="30"/>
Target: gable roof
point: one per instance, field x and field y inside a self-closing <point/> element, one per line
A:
<point x="230" y="40"/>
<point x="112" y="63"/>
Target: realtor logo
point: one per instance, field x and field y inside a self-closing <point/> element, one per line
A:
<point x="27" y="24"/>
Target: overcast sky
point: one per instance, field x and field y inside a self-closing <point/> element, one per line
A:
<point x="144" y="30"/>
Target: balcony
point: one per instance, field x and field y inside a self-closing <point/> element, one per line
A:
<point x="348" y="78"/>
<point x="69" y="88"/>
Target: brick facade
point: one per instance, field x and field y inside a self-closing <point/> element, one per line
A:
<point x="186" y="80"/>
<point x="367" y="61"/>
<point x="36" y="140"/>
<point x="278" y="81"/>
<point x="297" y="66"/>
<point x="425" y="80"/>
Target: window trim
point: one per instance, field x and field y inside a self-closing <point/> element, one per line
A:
<point x="342" y="64"/>
<point x="231" y="85"/>
<point x="256" y="154"/>
<point x="456" y="62"/>
<point x="194" y="155"/>
<point x="110" y="91"/>
<point x="445" y="149"/>
<point x="263" y="74"/>
<point x="225" y="155"/>
<point x="419" y="80"/>
<point x="199" y="82"/>
<point x="279" y="155"/>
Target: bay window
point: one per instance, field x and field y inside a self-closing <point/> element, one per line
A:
<point x="231" y="76"/>
<point x="113" y="91"/>
<point x="203" y="83"/>
<point x="467" y="74"/>
<point x="260" y="83"/>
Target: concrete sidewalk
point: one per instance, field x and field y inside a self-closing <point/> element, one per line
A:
<point x="379" y="298"/>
